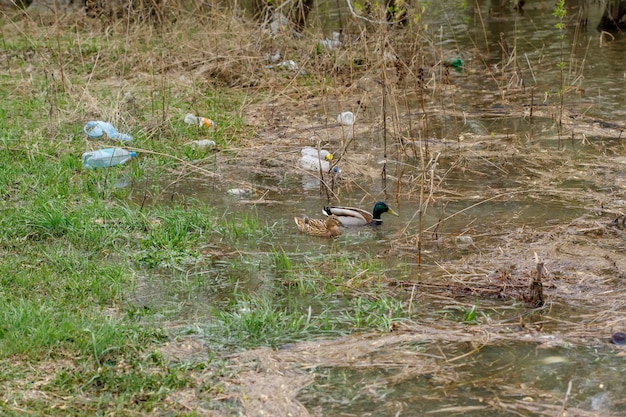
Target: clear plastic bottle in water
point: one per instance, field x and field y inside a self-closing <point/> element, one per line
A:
<point x="314" y="160"/>
<point x="313" y="163"/>
<point x="107" y="157"/>
<point x="322" y="153"/>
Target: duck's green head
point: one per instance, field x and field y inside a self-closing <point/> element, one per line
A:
<point x="380" y="208"/>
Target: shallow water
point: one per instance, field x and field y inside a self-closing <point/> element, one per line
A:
<point x="519" y="175"/>
<point x="522" y="379"/>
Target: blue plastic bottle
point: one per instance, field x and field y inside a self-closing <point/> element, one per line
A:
<point x="107" y="157"/>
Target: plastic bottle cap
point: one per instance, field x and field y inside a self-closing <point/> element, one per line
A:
<point x="133" y="154"/>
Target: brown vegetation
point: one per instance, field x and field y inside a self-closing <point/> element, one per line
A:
<point x="405" y="99"/>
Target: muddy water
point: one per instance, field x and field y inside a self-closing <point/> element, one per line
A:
<point x="522" y="375"/>
<point x="518" y="186"/>
<point x="515" y="378"/>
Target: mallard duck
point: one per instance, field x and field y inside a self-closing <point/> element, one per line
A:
<point x="328" y="227"/>
<point x="351" y="216"/>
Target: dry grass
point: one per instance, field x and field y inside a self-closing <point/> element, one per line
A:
<point x="147" y="75"/>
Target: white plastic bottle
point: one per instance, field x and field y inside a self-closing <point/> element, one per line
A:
<point x="199" y="121"/>
<point x="346" y="118"/>
<point x="312" y="160"/>
<point x="202" y="144"/>
<point x="313" y="163"/>
<point x="107" y="157"/>
<point x="323" y="154"/>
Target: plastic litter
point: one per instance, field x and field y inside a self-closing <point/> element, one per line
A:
<point x="97" y="128"/>
<point x="312" y="182"/>
<point x="312" y="160"/>
<point x="463" y="240"/>
<point x="346" y="118"/>
<point x="275" y="57"/>
<point x="199" y="121"/>
<point x="324" y="154"/>
<point x="240" y="192"/>
<point x="202" y="144"/>
<point x="107" y="157"/>
<point x="454" y="63"/>
<point x="313" y="163"/>
<point x="279" y="23"/>
<point x="289" y="64"/>
<point x="333" y="42"/>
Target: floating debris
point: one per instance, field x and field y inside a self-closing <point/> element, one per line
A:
<point x="240" y="192"/>
<point x="312" y="160"/>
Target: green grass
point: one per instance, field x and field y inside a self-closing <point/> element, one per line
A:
<point x="304" y="299"/>
<point x="259" y="320"/>
<point x="75" y="245"/>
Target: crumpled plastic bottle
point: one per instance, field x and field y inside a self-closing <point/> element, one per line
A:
<point x="202" y="144"/>
<point x="332" y="43"/>
<point x="107" y="157"/>
<point x="97" y="128"/>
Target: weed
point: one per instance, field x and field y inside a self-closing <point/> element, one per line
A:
<point x="560" y="12"/>
<point x="281" y="260"/>
<point x="470" y="315"/>
<point x="259" y="320"/>
<point x="380" y="313"/>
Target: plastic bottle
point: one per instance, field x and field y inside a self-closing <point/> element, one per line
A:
<point x="199" y="121"/>
<point x="454" y="63"/>
<point x="97" y="128"/>
<point x="323" y="154"/>
<point x="312" y="159"/>
<point x="346" y="118"/>
<point x="313" y="163"/>
<point x="332" y="43"/>
<point x="202" y="144"/>
<point x="463" y="240"/>
<point x="107" y="157"/>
